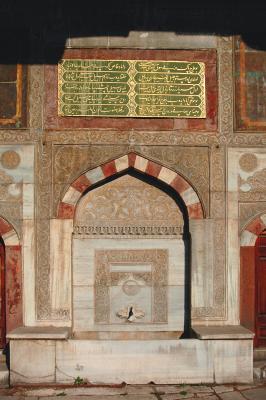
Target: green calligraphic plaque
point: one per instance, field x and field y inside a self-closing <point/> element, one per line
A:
<point x="130" y="88"/>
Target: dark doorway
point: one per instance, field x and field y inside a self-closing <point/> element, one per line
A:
<point x="260" y="297"/>
<point x="2" y="296"/>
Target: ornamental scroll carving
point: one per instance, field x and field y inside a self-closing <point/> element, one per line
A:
<point x="128" y="206"/>
<point x="226" y="85"/>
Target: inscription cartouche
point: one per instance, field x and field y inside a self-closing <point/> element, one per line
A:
<point x="130" y="88"/>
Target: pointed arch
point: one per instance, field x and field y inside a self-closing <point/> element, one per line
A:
<point x="66" y="208"/>
<point x="251" y="232"/>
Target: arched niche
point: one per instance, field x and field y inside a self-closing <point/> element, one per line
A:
<point x="249" y="281"/>
<point x="128" y="258"/>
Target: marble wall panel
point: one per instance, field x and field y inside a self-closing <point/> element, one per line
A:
<point x="84" y="278"/>
<point x="29" y="272"/>
<point x="60" y="258"/>
<point x="233" y="361"/>
<point x="28" y="201"/>
<point x="33" y="361"/>
<point x="202" y="262"/>
<point x="115" y="361"/>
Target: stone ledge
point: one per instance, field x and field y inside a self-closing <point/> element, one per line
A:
<point x="146" y="40"/>
<point x="222" y="332"/>
<point x="37" y="332"/>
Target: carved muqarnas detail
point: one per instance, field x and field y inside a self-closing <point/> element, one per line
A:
<point x="154" y="263"/>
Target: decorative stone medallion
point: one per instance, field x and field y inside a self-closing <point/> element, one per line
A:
<point x="131" y="287"/>
<point x="10" y="159"/>
<point x="248" y="162"/>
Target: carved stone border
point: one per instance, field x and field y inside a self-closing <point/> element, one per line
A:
<point x="42" y="229"/>
<point x="226" y="86"/>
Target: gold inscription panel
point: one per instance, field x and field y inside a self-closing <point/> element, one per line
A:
<point x="130" y="88"/>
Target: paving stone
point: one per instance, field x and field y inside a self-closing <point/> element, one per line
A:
<point x="171" y="388"/>
<point x="140" y="389"/>
<point x="40" y="392"/>
<point x="137" y="397"/>
<point x="200" y="389"/>
<point x="223" y="389"/>
<point x="14" y="397"/>
<point x="232" y="396"/>
<point x="244" y="387"/>
<point x="255" y="394"/>
<point x="203" y="395"/>
<point x="100" y="397"/>
<point x="81" y="398"/>
<point x="177" y="396"/>
<point x="97" y="391"/>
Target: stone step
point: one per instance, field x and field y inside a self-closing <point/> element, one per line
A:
<point x="260" y="354"/>
<point x="259" y="370"/>
<point x="4" y="375"/>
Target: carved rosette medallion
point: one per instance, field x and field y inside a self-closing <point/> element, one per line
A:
<point x="248" y="162"/>
<point x="10" y="159"/>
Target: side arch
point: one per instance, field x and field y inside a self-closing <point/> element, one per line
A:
<point x="251" y="232"/>
<point x="248" y="239"/>
<point x="66" y="208"/>
<point x="13" y="275"/>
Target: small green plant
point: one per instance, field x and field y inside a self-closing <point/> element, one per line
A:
<point x="78" y="381"/>
<point x="183" y="392"/>
<point x="61" y="394"/>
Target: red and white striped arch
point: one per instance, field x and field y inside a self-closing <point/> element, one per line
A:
<point x="13" y="275"/>
<point x="66" y="208"/>
<point x="252" y="231"/>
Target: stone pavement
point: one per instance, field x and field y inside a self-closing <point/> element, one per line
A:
<point x="138" y="392"/>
